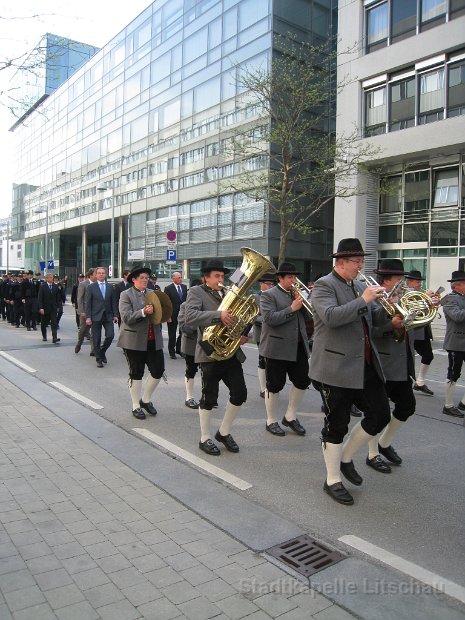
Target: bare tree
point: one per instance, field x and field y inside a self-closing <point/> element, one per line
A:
<point x="291" y="158"/>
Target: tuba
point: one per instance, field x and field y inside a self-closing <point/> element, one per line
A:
<point x="220" y="342"/>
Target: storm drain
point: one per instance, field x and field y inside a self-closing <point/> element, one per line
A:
<point x="305" y="555"/>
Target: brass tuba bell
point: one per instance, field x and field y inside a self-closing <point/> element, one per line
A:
<point x="221" y="342"/>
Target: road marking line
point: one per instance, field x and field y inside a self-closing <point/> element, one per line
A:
<point x="409" y="568"/>
<point x="13" y="360"/>
<point x="83" y="399"/>
<point x="195" y="460"/>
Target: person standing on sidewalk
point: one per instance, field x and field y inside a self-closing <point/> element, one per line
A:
<point x="101" y="311"/>
<point x="345" y="365"/>
<point x="84" y="329"/>
<point x="454" y="341"/>
<point x="141" y="341"/>
<point x="49" y="301"/>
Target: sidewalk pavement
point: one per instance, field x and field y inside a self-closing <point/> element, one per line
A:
<point x="83" y="537"/>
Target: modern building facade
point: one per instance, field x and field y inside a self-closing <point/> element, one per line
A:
<point x="133" y="143"/>
<point x="407" y="97"/>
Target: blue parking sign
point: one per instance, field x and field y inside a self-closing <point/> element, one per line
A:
<point x="171" y="255"/>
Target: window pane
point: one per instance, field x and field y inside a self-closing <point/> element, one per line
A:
<point x="416" y="232"/>
<point x="417" y="191"/>
<point x="375" y="102"/>
<point x="404" y="17"/>
<point x="432" y="96"/>
<point x="444" y="233"/>
<point x="195" y="45"/>
<point x="432" y="9"/>
<point x="457" y="7"/>
<point x="402" y="112"/>
<point x="446" y="188"/>
<point x="390" y="234"/>
<point x="391" y="195"/>
<point x="377" y="24"/>
<point x="457" y="89"/>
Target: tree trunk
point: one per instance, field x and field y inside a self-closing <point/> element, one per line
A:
<point x="282" y="237"/>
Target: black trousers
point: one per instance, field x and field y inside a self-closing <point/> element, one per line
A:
<point x="191" y="366"/>
<point x="138" y="360"/>
<point x="107" y="324"/>
<point x="45" y="319"/>
<point x="423" y="348"/>
<point x="18" y="311"/>
<point x="454" y="370"/>
<point x="277" y="370"/>
<point x="372" y="400"/>
<point x="29" y="312"/>
<point x="401" y="394"/>
<point x="231" y="373"/>
<point x="174" y="343"/>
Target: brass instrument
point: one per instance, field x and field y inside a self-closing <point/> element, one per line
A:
<point x="299" y="287"/>
<point x="221" y="342"/>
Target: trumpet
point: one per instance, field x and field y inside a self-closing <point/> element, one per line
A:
<point x="299" y="287"/>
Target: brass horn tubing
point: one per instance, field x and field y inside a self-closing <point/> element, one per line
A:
<point x="390" y="308"/>
<point x="298" y="287"/>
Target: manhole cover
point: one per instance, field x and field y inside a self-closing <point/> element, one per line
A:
<point x="305" y="555"/>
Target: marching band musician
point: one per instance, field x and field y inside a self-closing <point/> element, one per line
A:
<point x="345" y="365"/>
<point x="423" y="337"/>
<point x="201" y="311"/>
<point x="141" y="341"/>
<point x="397" y="361"/>
<point x="265" y="282"/>
<point x="454" y="341"/>
<point x="284" y="345"/>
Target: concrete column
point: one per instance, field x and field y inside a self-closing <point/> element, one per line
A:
<point x="120" y="248"/>
<point x="84" y="246"/>
<point x="185" y="270"/>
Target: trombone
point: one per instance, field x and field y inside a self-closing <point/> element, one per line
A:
<point x="305" y="293"/>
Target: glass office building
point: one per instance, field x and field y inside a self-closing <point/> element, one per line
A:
<point x="133" y="144"/>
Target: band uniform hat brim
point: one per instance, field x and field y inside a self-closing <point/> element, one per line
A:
<point x="287" y="269"/>
<point x="215" y="265"/>
<point x="136" y="272"/>
<point x="390" y="267"/>
<point x="348" y="248"/>
<point x="457" y="276"/>
<point x="268" y="277"/>
<point x="414" y="275"/>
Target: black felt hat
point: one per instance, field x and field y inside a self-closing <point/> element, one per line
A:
<point x="414" y="274"/>
<point x="457" y="276"/>
<point x="287" y="269"/>
<point x="137" y="271"/>
<point x="267" y="277"/>
<point x="215" y="264"/>
<point x="390" y="267"/>
<point x="349" y="247"/>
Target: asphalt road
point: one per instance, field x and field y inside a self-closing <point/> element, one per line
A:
<point x="417" y="512"/>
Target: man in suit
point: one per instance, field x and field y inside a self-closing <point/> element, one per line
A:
<point x="284" y="345"/>
<point x="202" y="311"/>
<point x="120" y="287"/>
<point x="454" y="341"/>
<point x="18" y="306"/>
<point x="74" y="290"/>
<point x="177" y="292"/>
<point x="345" y="365"/>
<point x="49" y="299"/>
<point x="266" y="282"/>
<point x="84" y="329"/>
<point x="101" y="311"/>
<point x="29" y="299"/>
<point x="396" y="351"/>
<point x="141" y="341"/>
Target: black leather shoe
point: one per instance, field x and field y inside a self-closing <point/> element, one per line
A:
<point x="209" y="447"/>
<point x="355" y="412"/>
<point x="338" y="492"/>
<point x="55" y="340"/>
<point x="44" y="339"/>
<point x="138" y="413"/>
<point x="173" y="357"/>
<point x="99" y="364"/>
<point x="92" y="354"/>
<point x="228" y="441"/>
<point x="453" y="411"/>
<point x="295" y="425"/>
<point x="149" y="408"/>
<point x="77" y="348"/>
<point x="348" y="470"/>
<point x="423" y="388"/>
<point x="191" y="403"/>
<point x="377" y="463"/>
<point x="275" y="429"/>
<point x="461" y="406"/>
<point x="104" y="359"/>
<point x="390" y="454"/>
<point x="262" y="394"/>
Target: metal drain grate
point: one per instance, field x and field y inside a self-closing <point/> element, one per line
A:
<point x="305" y="555"/>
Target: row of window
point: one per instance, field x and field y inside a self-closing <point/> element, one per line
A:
<point x="389" y="21"/>
<point x="437" y="234"/>
<point x="416" y="97"/>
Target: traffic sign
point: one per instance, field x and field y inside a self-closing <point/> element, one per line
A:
<point x="171" y="256"/>
<point x="171" y="235"/>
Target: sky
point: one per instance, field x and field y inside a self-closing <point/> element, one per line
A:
<point x="22" y="25"/>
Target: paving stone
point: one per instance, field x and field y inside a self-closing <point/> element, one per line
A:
<point x="78" y="611"/>
<point x="49" y="526"/>
<point x="127" y="577"/>
<point x="181" y="561"/>
<point x="77" y="527"/>
<point x="198" y="547"/>
<point x="333" y="613"/>
<point x="16" y="581"/>
<point x="311" y="600"/>
<point x="236" y="607"/>
<point x="90" y="578"/>
<point x="5" y="612"/>
<point x="216" y="590"/>
<point x="68" y="550"/>
<point x="199" y="609"/>
<point x="43" y="564"/>
<point x="248" y="559"/>
<point x="113" y="563"/>
<point x="166" y="549"/>
<point x="147" y="563"/>
<point x="141" y="593"/>
<point x="64" y="596"/>
<point x="53" y="579"/>
<point x="161" y="609"/>
<point x="232" y="573"/>
<point x="135" y="549"/>
<point x="19" y="526"/>
<point x="123" y="537"/>
<point x="198" y="574"/>
<point x="23" y="538"/>
<point x="214" y="560"/>
<point x="180" y="592"/>
<point x="103" y="595"/>
<point x="101" y="550"/>
<point x="163" y="577"/>
<point x="274" y="604"/>
<point x="78" y="564"/>
<point x="25" y="597"/>
<point x="122" y="610"/>
<point x="34" y="551"/>
<point x="58" y="538"/>
<point x="37" y="612"/>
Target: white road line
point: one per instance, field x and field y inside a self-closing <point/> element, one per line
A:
<point x="195" y="460"/>
<point x="413" y="570"/>
<point x="76" y="395"/>
<point x="13" y="360"/>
